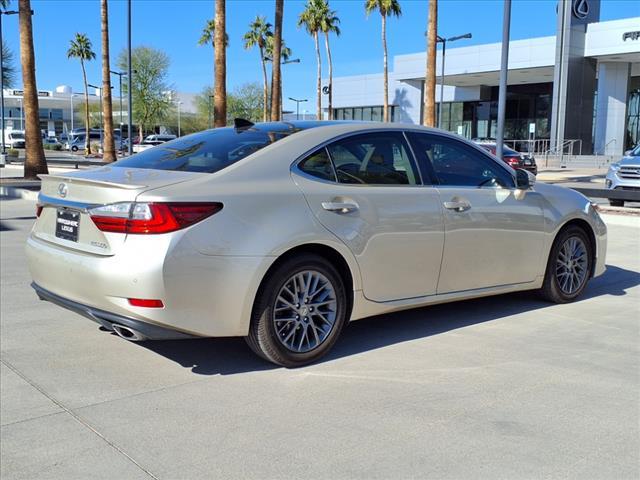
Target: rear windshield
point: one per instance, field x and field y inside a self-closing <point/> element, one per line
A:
<point x="208" y="151"/>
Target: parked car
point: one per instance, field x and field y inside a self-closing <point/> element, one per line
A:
<point x="625" y="174"/>
<point x="78" y="142"/>
<point x="511" y="157"/>
<point x="284" y="232"/>
<point x="14" y="139"/>
<point x="152" y="141"/>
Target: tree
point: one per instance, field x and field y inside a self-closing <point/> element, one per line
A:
<point x="329" y="24"/>
<point x="276" y="79"/>
<point x="430" y="80"/>
<point x="108" y="145"/>
<point x="151" y="95"/>
<point x="311" y="20"/>
<point x="386" y="8"/>
<point x="259" y="32"/>
<point x="220" y="87"/>
<point x="80" y="48"/>
<point x="35" y="162"/>
<point x="8" y="69"/>
<point x="285" y="55"/>
<point x="245" y="102"/>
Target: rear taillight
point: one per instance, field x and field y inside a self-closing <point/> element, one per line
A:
<point x="139" y="218"/>
<point x="512" y="161"/>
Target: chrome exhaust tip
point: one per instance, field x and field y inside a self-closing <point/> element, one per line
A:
<point x="128" y="333"/>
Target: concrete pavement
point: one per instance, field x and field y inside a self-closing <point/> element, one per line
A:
<point x="502" y="387"/>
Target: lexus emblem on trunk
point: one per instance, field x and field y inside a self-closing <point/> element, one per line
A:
<point x="63" y="189"/>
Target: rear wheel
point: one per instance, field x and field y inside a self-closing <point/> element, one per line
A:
<point x="568" y="267"/>
<point x="616" y="203"/>
<point x="299" y="312"/>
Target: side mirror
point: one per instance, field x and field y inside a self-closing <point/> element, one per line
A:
<point x="627" y="153"/>
<point x="524" y="180"/>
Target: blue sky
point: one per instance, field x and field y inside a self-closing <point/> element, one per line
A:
<point x="175" y="26"/>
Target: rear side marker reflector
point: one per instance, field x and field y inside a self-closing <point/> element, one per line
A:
<point x="148" y="218"/>
<point x="145" y="302"/>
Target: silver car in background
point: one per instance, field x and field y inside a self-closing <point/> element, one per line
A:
<point x="624" y="174"/>
<point x="282" y="233"/>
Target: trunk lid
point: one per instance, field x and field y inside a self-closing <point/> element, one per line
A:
<point x="65" y="198"/>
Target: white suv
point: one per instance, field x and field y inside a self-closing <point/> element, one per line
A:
<point x="625" y="174"/>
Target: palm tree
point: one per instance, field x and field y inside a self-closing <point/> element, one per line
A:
<point x="220" y="56"/>
<point x="386" y="8"/>
<point x="208" y="38"/>
<point x="35" y="162"/>
<point x="329" y="24"/>
<point x="107" y="107"/>
<point x="259" y="32"/>
<point x="311" y="19"/>
<point x="8" y="70"/>
<point x="285" y="55"/>
<point x="80" y="48"/>
<point x="430" y="80"/>
<point x="276" y="78"/>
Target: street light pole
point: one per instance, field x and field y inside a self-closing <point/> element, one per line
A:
<point x="101" y="120"/>
<point x="129" y="106"/>
<point x="8" y="12"/>
<point x="444" y="41"/>
<point x="120" y="74"/>
<point x="504" y="65"/>
<point x="298" y="101"/>
<point x="21" y="113"/>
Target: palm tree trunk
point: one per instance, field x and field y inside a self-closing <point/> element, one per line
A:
<point x="275" y="71"/>
<point x="35" y="162"/>
<point x="430" y="80"/>
<point x="318" y="79"/>
<point x="87" y="140"/>
<point x="385" y="114"/>
<point x="265" y="86"/>
<point x="220" y="88"/>
<point x="107" y="107"/>
<point x="326" y="42"/>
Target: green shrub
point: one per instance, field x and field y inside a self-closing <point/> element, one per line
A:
<point x="12" y="152"/>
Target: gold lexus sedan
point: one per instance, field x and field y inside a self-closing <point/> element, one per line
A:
<point x="282" y="233"/>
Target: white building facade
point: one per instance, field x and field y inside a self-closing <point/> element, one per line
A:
<point x="592" y="101"/>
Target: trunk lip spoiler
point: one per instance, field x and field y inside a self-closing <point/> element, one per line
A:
<point x="90" y="181"/>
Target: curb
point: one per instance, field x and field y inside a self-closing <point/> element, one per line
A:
<point x="621" y="220"/>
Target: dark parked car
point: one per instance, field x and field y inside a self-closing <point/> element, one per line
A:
<point x="512" y="158"/>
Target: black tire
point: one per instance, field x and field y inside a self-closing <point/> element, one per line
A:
<point x="263" y="338"/>
<point x="74" y="149"/>
<point x="616" y="203"/>
<point x="551" y="289"/>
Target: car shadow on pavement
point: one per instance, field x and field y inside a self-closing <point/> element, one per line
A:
<point x="227" y="356"/>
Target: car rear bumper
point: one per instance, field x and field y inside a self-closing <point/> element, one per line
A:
<point x="108" y="320"/>
<point x="203" y="295"/>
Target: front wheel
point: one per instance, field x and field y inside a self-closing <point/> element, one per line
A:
<point x="569" y="266"/>
<point x="299" y="312"/>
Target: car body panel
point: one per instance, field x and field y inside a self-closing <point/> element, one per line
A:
<point x="497" y="241"/>
<point x="625" y="174"/>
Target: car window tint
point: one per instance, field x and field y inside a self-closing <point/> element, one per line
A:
<point x="208" y="151"/>
<point x="457" y="164"/>
<point x="318" y="165"/>
<point x="373" y="159"/>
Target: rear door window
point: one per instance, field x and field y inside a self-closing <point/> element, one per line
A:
<point x="374" y="159"/>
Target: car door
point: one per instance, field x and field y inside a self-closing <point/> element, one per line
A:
<point x="494" y="233"/>
<point x="367" y="191"/>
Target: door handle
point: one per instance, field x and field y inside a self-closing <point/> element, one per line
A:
<point x="340" y="207"/>
<point x="458" y="206"/>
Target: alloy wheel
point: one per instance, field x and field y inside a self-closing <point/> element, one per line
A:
<point x="571" y="265"/>
<point x="305" y="311"/>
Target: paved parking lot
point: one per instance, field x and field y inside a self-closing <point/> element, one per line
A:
<point x="503" y="387"/>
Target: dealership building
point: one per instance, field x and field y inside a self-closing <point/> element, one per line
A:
<point x="577" y="91"/>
